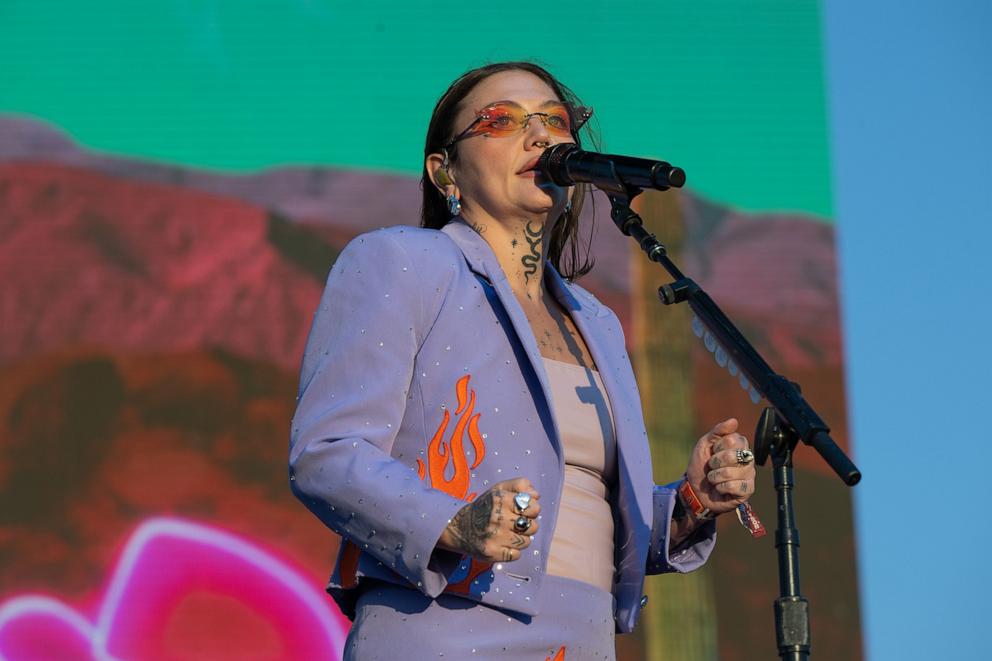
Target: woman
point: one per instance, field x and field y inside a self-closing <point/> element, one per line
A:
<point x="468" y="420"/>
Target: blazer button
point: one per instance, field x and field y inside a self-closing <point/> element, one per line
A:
<point x="644" y="601"/>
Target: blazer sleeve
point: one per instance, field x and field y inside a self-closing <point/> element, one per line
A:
<point x="692" y="553"/>
<point x="357" y="372"/>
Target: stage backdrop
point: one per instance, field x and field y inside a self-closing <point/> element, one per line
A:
<point x="176" y="179"/>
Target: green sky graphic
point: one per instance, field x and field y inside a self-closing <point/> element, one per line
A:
<point x="732" y="91"/>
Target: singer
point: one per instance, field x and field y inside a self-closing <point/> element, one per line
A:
<point x="468" y="420"/>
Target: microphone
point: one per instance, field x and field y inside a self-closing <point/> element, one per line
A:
<point x="565" y="164"/>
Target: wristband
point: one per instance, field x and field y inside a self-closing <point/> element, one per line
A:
<point x="750" y="520"/>
<point x="692" y="503"/>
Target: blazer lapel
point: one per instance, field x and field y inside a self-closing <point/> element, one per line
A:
<point x="482" y="260"/>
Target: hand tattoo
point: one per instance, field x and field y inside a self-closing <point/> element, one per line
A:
<point x="470" y="527"/>
<point x="497" y="495"/>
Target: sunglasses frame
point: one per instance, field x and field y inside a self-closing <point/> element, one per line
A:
<point x="578" y="116"/>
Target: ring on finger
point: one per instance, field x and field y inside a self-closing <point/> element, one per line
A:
<point x="522" y="501"/>
<point x="744" y="457"/>
<point x="522" y="524"/>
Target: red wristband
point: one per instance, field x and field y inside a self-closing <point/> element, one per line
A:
<point x="692" y="503"/>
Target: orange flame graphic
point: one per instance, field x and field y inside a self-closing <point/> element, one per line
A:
<point x="560" y="656"/>
<point x="441" y="455"/>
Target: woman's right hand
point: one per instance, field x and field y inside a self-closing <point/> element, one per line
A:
<point x="484" y="529"/>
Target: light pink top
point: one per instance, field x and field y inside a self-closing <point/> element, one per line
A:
<point x="582" y="543"/>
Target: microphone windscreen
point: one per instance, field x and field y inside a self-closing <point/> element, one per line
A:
<point x="552" y="163"/>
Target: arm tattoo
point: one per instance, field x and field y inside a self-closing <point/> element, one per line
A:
<point x="678" y="513"/>
<point x="470" y="526"/>
<point x="682" y="524"/>
<point x="531" y="260"/>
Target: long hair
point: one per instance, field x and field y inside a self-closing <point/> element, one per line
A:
<point x="563" y="248"/>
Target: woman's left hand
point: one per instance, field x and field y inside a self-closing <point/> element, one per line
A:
<point x="721" y="482"/>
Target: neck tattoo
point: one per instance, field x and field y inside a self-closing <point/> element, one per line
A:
<point x="532" y="259"/>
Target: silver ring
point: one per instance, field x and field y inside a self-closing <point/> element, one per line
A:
<point x="522" y="501"/>
<point x="744" y="457"/>
<point x="522" y="524"/>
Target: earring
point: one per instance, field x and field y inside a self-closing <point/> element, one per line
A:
<point x="454" y="206"/>
<point x="568" y="206"/>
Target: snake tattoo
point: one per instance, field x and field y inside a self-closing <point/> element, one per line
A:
<point x="530" y="261"/>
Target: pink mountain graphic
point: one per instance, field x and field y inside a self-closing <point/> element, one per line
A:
<point x="153" y="321"/>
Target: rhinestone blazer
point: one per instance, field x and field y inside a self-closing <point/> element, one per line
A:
<point x="421" y="386"/>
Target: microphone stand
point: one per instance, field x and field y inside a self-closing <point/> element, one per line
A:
<point x="789" y="419"/>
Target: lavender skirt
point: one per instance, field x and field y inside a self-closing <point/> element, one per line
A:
<point x="574" y="623"/>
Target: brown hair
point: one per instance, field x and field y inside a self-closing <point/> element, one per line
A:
<point x="563" y="249"/>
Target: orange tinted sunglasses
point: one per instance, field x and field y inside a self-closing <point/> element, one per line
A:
<point x="504" y="118"/>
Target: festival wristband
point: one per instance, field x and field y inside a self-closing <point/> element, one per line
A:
<point x="692" y="503"/>
<point x="750" y="520"/>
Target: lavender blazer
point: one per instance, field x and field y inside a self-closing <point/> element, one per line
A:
<point x="421" y="386"/>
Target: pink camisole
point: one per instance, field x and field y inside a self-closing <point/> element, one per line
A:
<point x="582" y="543"/>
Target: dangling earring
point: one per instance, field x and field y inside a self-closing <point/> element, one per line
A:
<point x="444" y="179"/>
<point x="454" y="206"/>
<point x="568" y="207"/>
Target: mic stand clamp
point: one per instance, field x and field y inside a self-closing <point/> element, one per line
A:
<point x="628" y="222"/>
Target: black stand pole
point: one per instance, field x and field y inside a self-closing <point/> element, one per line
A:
<point x="792" y="631"/>
<point x="789" y="420"/>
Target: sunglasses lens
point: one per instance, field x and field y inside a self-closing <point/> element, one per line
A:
<point x="559" y="121"/>
<point x="501" y="119"/>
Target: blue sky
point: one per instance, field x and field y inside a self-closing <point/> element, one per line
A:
<point x="910" y="88"/>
